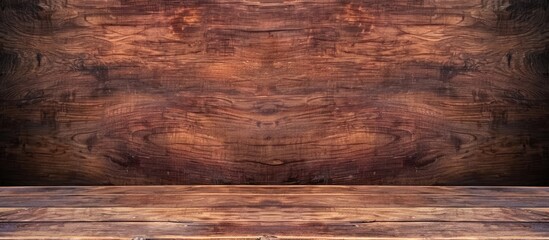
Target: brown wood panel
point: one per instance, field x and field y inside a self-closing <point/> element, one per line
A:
<point x="276" y="190"/>
<point x="273" y="214"/>
<point x="232" y="200"/>
<point x="289" y="213"/>
<point x="401" y="92"/>
<point x="290" y="230"/>
<point x="297" y="197"/>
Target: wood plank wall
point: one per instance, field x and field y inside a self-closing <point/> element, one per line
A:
<point x="451" y="92"/>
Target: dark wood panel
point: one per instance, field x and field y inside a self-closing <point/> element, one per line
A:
<point x="288" y="230"/>
<point x="477" y="191"/>
<point x="274" y="92"/>
<point x="290" y="212"/>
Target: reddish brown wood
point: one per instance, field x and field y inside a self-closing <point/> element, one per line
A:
<point x="301" y="212"/>
<point x="274" y="92"/>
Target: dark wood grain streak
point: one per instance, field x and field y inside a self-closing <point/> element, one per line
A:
<point x="408" y="92"/>
<point x="276" y="190"/>
<point x="293" y="230"/>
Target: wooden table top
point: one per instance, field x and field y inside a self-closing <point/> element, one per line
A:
<point x="265" y="212"/>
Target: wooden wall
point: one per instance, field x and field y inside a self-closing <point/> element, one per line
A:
<point x="274" y="92"/>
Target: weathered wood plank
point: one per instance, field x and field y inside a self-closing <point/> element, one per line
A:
<point x="403" y="92"/>
<point x="280" y="213"/>
<point x="493" y="191"/>
<point x="374" y="230"/>
<point x="208" y="212"/>
<point x="266" y="200"/>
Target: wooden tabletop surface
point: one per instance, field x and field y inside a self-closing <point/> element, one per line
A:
<point x="266" y="212"/>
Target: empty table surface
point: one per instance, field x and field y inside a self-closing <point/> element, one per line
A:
<point x="265" y="212"/>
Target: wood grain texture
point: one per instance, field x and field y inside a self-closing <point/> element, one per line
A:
<point x="408" y="92"/>
<point x="287" y="212"/>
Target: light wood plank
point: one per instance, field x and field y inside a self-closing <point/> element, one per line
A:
<point x="280" y="213"/>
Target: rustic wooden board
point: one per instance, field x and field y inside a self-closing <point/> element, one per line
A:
<point x="274" y="214"/>
<point x="276" y="190"/>
<point x="258" y="200"/>
<point x="254" y="230"/>
<point x="274" y="92"/>
<point x="204" y="212"/>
